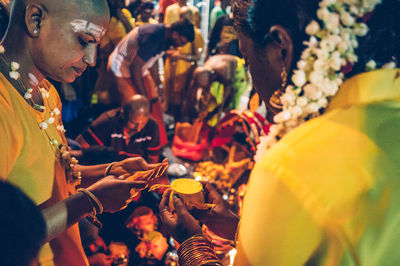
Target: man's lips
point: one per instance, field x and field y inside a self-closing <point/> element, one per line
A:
<point x="78" y="70"/>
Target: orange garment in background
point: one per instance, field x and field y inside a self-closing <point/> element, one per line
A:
<point x="139" y="22"/>
<point x="164" y="4"/>
<point x="172" y="14"/>
<point x="28" y="160"/>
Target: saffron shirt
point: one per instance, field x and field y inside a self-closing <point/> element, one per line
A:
<point x="329" y="191"/>
<point x="29" y="161"/>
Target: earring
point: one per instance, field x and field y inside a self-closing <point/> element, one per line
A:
<point x="275" y="100"/>
<point x="35" y="31"/>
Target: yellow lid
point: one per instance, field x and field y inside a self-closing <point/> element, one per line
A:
<point x="186" y="186"/>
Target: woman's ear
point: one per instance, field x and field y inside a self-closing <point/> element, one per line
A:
<point x="34" y="16"/>
<point x="282" y="40"/>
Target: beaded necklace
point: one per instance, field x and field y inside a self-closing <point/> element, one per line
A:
<point x="62" y="152"/>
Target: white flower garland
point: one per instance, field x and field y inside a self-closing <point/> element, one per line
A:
<point x="67" y="161"/>
<point x="14" y="74"/>
<point x="318" y="76"/>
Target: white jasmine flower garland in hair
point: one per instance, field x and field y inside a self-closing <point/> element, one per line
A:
<point x="329" y="52"/>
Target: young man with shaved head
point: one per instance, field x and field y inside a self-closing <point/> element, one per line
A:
<point x="129" y="131"/>
<point x="55" y="39"/>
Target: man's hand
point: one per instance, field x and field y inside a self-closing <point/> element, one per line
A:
<point x="114" y="193"/>
<point x="130" y="166"/>
<point x="180" y="225"/>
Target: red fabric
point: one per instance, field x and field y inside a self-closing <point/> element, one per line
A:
<point x="189" y="150"/>
<point x="227" y="126"/>
<point x="164" y="4"/>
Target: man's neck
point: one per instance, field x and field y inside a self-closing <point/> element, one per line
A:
<point x="30" y="76"/>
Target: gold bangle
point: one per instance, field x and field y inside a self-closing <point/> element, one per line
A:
<point x="94" y="198"/>
<point x="107" y="172"/>
<point x="197" y="250"/>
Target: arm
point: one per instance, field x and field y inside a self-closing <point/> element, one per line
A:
<point x="111" y="192"/>
<point x="91" y="173"/>
<point x="195" y="248"/>
<point x="137" y="76"/>
<point x="126" y="88"/>
<point x="154" y="71"/>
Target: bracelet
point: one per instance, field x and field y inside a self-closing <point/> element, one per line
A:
<point x="108" y="169"/>
<point x="197" y="250"/>
<point x="94" y="199"/>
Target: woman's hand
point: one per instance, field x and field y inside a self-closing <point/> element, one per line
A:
<point x="130" y="166"/>
<point x="114" y="193"/>
<point x="180" y="225"/>
<point x="220" y="220"/>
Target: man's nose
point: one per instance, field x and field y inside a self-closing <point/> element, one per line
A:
<point x="90" y="54"/>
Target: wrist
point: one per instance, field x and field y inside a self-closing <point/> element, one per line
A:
<point x="107" y="172"/>
<point x="197" y="250"/>
<point x="95" y="204"/>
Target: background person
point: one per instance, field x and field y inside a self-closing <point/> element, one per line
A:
<point x="22" y="227"/>
<point x="146" y="14"/>
<point x="223" y="80"/>
<point x="133" y="62"/>
<point x="129" y="131"/>
<point x="179" y="66"/>
<point x="172" y="13"/>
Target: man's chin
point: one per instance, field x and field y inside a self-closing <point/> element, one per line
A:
<point x="68" y="79"/>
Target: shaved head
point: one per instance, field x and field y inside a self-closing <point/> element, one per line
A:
<point x="56" y="39"/>
<point x="63" y="8"/>
<point x="137" y="104"/>
<point x="136" y="113"/>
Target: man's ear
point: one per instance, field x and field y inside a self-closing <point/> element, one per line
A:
<point x="34" y="16"/>
<point x="282" y="40"/>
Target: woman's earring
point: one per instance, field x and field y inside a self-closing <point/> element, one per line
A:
<point x="275" y="100"/>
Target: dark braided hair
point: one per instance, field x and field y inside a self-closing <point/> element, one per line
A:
<point x="254" y="18"/>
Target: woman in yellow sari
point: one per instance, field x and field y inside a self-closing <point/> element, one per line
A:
<point x="325" y="188"/>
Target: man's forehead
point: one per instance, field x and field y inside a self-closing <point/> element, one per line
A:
<point x="82" y="25"/>
<point x="142" y="112"/>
